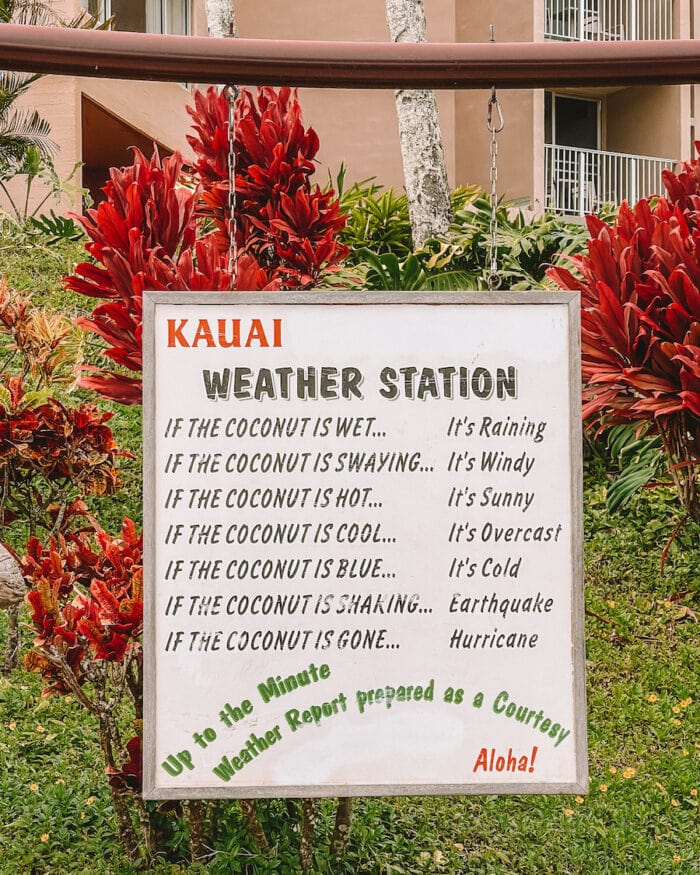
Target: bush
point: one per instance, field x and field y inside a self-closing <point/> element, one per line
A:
<point x="640" y="315"/>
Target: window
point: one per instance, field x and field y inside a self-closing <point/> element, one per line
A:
<point x="167" y="16"/>
<point x="572" y="121"/>
<point x="143" y="16"/>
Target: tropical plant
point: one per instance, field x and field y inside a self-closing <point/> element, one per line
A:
<point x="378" y="219"/>
<point x="525" y="245"/>
<point x="86" y="601"/>
<point x="52" y="453"/>
<point x="378" y="222"/>
<point x="151" y="231"/>
<point x="641" y="459"/>
<point x="42" y="346"/>
<point x="26" y="148"/>
<point x="24" y="134"/>
<point x="24" y="217"/>
<point x="387" y="273"/>
<point x="54" y="228"/>
<point x="143" y="235"/>
<point x="640" y="323"/>
<point x="287" y="224"/>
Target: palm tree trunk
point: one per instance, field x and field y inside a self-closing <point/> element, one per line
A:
<point x="425" y="174"/>
<point x="221" y="18"/>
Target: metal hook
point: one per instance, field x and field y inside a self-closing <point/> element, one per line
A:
<point x="500" y="124"/>
<point x="493" y="100"/>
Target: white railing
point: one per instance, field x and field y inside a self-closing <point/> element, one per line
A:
<point x="580" y="181"/>
<point x="608" y="19"/>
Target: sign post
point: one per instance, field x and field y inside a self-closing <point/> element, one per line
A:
<point x="364" y="545"/>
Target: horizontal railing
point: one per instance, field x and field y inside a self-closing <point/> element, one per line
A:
<point x="581" y="20"/>
<point x="580" y="181"/>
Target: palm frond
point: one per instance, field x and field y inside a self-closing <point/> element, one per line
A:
<point x="36" y="12"/>
<point x="22" y="129"/>
<point x="85" y="21"/>
<point x="12" y="85"/>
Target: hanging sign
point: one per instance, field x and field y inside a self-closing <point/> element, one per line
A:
<point x="363" y="529"/>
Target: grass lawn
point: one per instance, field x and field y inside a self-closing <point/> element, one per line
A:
<point x="642" y="815"/>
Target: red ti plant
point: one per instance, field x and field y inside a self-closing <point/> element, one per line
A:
<point x="640" y="322"/>
<point x="289" y="225"/>
<point x="143" y="236"/>
<point x="86" y="607"/>
<point x="148" y="232"/>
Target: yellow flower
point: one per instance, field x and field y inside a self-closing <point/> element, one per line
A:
<point x="675" y="803"/>
<point x="568" y="811"/>
<point x="33" y="787"/>
<point x="40" y="728"/>
<point x="13" y="726"/>
<point x="60" y="781"/>
<point x="44" y="837"/>
<point x="69" y="699"/>
<point x="685" y="752"/>
<point x="668" y="604"/>
<point x="613" y="770"/>
<point x="694" y="792"/>
<point x="629" y="772"/>
<point x="676" y="722"/>
<point x="611" y="603"/>
<point x="676" y="709"/>
<point x="686" y="702"/>
<point x="652" y="697"/>
<point x="82" y="815"/>
<point x="579" y="800"/>
<point x="676" y="858"/>
<point x="90" y="800"/>
<point x="603" y="788"/>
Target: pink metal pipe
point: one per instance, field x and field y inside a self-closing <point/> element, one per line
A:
<point x="120" y="55"/>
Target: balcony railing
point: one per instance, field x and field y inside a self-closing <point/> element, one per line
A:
<point x="581" y="20"/>
<point x="579" y="181"/>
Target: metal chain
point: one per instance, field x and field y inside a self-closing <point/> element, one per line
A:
<point x="493" y="278"/>
<point x="232" y="93"/>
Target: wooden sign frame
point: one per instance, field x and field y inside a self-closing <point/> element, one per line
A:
<point x="177" y="781"/>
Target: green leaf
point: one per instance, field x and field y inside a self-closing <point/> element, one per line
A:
<point x="641" y="460"/>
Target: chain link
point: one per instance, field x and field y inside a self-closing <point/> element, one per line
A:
<point x="493" y="278"/>
<point x="232" y="93"/>
<point x="494" y="127"/>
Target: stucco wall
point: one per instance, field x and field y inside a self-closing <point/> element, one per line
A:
<point x="520" y="142"/>
<point x="648" y="121"/>
<point x="356" y="127"/>
<point x="157" y="109"/>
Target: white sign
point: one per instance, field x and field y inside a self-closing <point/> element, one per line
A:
<point x="364" y="545"/>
